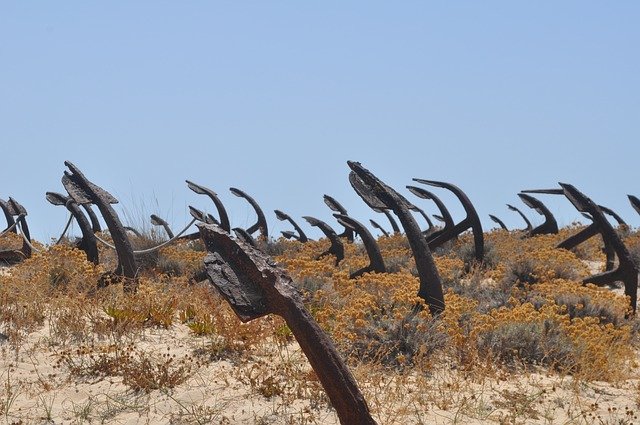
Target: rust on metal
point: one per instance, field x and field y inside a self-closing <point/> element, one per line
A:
<point x="627" y="270"/>
<point x="254" y="286"/>
<point x="377" y="226"/>
<point x="245" y="236"/>
<point x="550" y="225"/>
<point x="445" y="216"/>
<point x="95" y="223"/>
<point x="82" y="191"/>
<point x="157" y="221"/>
<point x="613" y="214"/>
<point x="18" y="210"/>
<point x="635" y="203"/>
<point x="471" y="221"/>
<point x="392" y="221"/>
<point x="524" y="217"/>
<point x="376" y="263"/>
<point x="336" y="248"/>
<point x="261" y="224"/>
<point x="335" y="206"/>
<point x="222" y="212"/>
<point x="498" y="222"/>
<point x="88" y="243"/>
<point x="285" y="217"/>
<point x="379" y="196"/>
<point x="8" y="216"/>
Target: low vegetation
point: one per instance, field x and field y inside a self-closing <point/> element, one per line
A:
<point x="521" y="339"/>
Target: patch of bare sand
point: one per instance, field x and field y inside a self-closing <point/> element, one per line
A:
<point x="257" y="389"/>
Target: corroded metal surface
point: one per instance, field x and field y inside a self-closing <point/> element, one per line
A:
<point x="82" y="191"/>
<point x="635" y="203"/>
<point x="222" y="212"/>
<point x="376" y="263"/>
<point x="550" y="225"/>
<point x="377" y="226"/>
<point x="18" y="210"/>
<point x="335" y="206"/>
<point x="524" y="217"/>
<point x="8" y="216"/>
<point x="613" y="214"/>
<point x="245" y="236"/>
<point x="336" y="248"/>
<point x="627" y="270"/>
<point x="498" y="222"/>
<point x="471" y="221"/>
<point x="157" y="221"/>
<point x="285" y="217"/>
<point x="445" y="216"/>
<point x="380" y="196"/>
<point x="261" y="224"/>
<point x="95" y="223"/>
<point x="254" y="286"/>
<point x="88" y="243"/>
<point x="392" y="221"/>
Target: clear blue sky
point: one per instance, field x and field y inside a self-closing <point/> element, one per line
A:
<point x="274" y="97"/>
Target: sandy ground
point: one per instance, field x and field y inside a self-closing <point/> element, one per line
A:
<point x="35" y="390"/>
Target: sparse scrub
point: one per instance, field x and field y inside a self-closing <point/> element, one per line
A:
<point x="523" y="311"/>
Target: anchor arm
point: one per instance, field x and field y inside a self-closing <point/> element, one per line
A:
<point x="376" y="263"/>
<point x="262" y="221"/>
<point x="222" y="212"/>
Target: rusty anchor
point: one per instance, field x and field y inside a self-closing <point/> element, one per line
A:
<point x="336" y="248"/>
<point x="627" y="270"/>
<point x="586" y="233"/>
<point x="613" y="214"/>
<point x="254" y="286"/>
<point x="11" y="209"/>
<point x="245" y="236"/>
<point x="550" y="225"/>
<point x="471" y="221"/>
<point x="335" y="206"/>
<point x="11" y="223"/>
<point x="82" y="191"/>
<point x="392" y="221"/>
<point x="524" y="217"/>
<point x="499" y="222"/>
<point x="157" y="221"/>
<point x="18" y="210"/>
<point x="445" y="216"/>
<point x="635" y="203"/>
<point x="376" y="263"/>
<point x="222" y="212"/>
<point x="261" y="224"/>
<point x="378" y="196"/>
<point x="377" y="226"/>
<point x="285" y="217"/>
<point x="88" y="243"/>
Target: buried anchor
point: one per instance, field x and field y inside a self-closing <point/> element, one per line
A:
<point x="254" y="286"/>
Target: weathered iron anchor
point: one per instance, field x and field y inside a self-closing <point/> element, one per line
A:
<point x="301" y="237"/>
<point x="376" y="263"/>
<point x="88" y="243"/>
<point x="254" y="286"/>
<point x="627" y="271"/>
<point x="524" y="217"/>
<point x="82" y="191"/>
<point x="471" y="221"/>
<point x="261" y="223"/>
<point x="379" y="196"/>
<point x="550" y="225"/>
<point x="336" y="207"/>
<point x="336" y="248"/>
